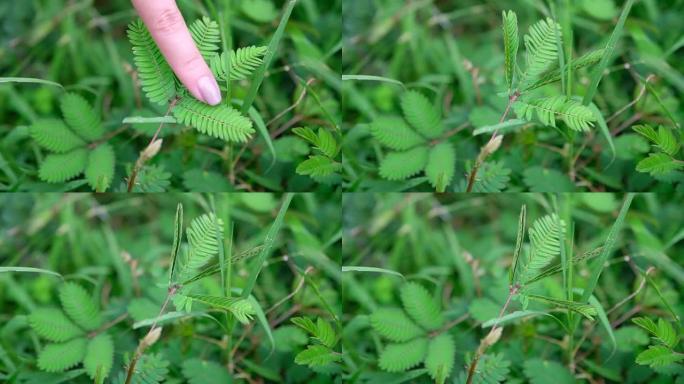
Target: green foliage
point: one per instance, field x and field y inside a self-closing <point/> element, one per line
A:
<point x="440" y="166"/>
<point x="393" y="324"/>
<point x="53" y="325"/>
<point x="152" y="368"/>
<point x="400" y="357"/>
<point x="511" y="41"/>
<point x="439" y="360"/>
<point x="155" y="74"/>
<point x="543" y="371"/>
<point x="100" y="169"/>
<point x="326" y="149"/>
<point x="402" y="165"/>
<point x="662" y="162"/>
<point x="421" y="306"/>
<point x="238" y="65"/>
<point x="493" y="177"/>
<point x="667" y="337"/>
<point x="99" y="356"/>
<point x="60" y="357"/>
<point x="221" y="121"/>
<point x="206" y="35"/>
<point x="548" y="109"/>
<point x="658" y="356"/>
<point x="421" y="114"/>
<point x="322" y="353"/>
<point x="53" y="135"/>
<point x="394" y="133"/>
<point x="60" y="167"/>
<point x="80" y="306"/>
<point x="541" y="50"/>
<point x="81" y="117"/>
<point x="198" y="371"/>
<point x="554" y="75"/>
<point x="545" y="236"/>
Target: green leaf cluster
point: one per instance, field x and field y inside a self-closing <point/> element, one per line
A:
<point x="322" y="352"/>
<point x="665" y="335"/>
<point x="78" y="145"/>
<point x="415" y="141"/>
<point x="323" y="163"/>
<point x="74" y="334"/>
<point x="663" y="160"/>
<point x="415" y="335"/>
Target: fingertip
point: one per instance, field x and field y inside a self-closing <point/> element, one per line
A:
<point x="209" y="90"/>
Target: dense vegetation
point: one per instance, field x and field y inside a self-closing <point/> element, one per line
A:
<point x="79" y="111"/>
<point x="489" y="96"/>
<point x="526" y="288"/>
<point x="169" y="288"/>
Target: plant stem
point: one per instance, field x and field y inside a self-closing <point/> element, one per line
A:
<point x="491" y="337"/>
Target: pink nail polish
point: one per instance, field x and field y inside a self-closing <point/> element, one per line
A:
<point x="209" y="90"/>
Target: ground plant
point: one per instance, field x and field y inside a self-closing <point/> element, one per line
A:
<point x="520" y="288"/>
<point x="542" y="96"/>
<point x="173" y="288"/>
<point x="88" y="103"/>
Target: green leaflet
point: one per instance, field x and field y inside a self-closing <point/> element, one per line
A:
<point x="81" y="117"/>
<point x="156" y="77"/>
<point x="393" y="324"/>
<point x="662" y="331"/>
<point x="421" y="306"/>
<point x="540" y="371"/>
<point x="423" y="116"/>
<point x="317" y="355"/>
<point x="585" y="310"/>
<point x="220" y="121"/>
<point x="511" y="42"/>
<point x="394" y="133"/>
<point x="54" y="135"/>
<point x="541" y="50"/>
<point x="198" y="371"/>
<point x="242" y="309"/>
<point x="553" y="75"/>
<point x="60" y="167"/>
<point x="60" y="357"/>
<point x="545" y="241"/>
<point x="203" y="240"/>
<point x="400" y="357"/>
<point x="441" y="166"/>
<point x="439" y="360"/>
<point x="402" y="165"/>
<point x="659" y="164"/>
<point x="318" y="166"/>
<point x="100" y="169"/>
<point x="151" y="369"/>
<point x="658" y="356"/>
<point x="99" y="356"/>
<point x="52" y="324"/>
<point x="80" y="306"/>
<point x="239" y="65"/>
<point x="206" y="35"/>
<point x="548" y="109"/>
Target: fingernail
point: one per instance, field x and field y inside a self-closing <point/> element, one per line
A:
<point x="209" y="90"/>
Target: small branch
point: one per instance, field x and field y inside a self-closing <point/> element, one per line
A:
<point x="106" y="326"/>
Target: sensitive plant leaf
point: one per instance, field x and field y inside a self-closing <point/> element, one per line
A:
<point x="659" y="164"/>
<point x="663" y="139"/>
<point x="519" y="240"/>
<point x="198" y="371"/>
<point x="203" y="240"/>
<point x="662" y="331"/>
<point x="541" y="50"/>
<point x="511" y="42"/>
<point x="441" y="166"/>
<point x="100" y="169"/>
<point x="80" y="306"/>
<point x="586" y="310"/>
<point x="394" y="133"/>
<point x="423" y="116"/>
<point x="393" y="324"/>
<point x="493" y="177"/>
<point x="317" y="355"/>
<point x="421" y="306"/>
<point x="540" y="371"/>
<point x="326" y="143"/>
<point x="547" y="109"/>
<point x="325" y="333"/>
<point x="52" y="324"/>
<point x="318" y="166"/>
<point x="557" y="268"/>
<point x="402" y="165"/>
<point x="439" y="360"/>
<point x="81" y="117"/>
<point x="492" y="369"/>
<point x="242" y="309"/>
<point x="54" y="135"/>
<point x="658" y="356"/>
<point x="177" y="239"/>
<point x="545" y="241"/>
<point x="220" y="121"/>
<point x="60" y="167"/>
<point x="306" y="324"/>
<point x="151" y="369"/>
<point x="605" y="323"/>
<point x="155" y="74"/>
<point x="216" y="268"/>
<point x="239" y="65"/>
<point x="554" y="75"/>
<point x="99" y="356"/>
<point x="60" y="357"/>
<point x="540" y="179"/>
<point x="400" y="357"/>
<point x="206" y="35"/>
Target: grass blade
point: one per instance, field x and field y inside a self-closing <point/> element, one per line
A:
<point x="30" y="270"/>
<point x="373" y="78"/>
<point x="605" y="131"/>
<point x="177" y="239"/>
<point x="597" y="74"/>
<point x="353" y="268"/>
<point x="29" y="80"/>
<point x="268" y="244"/>
<point x="270" y="53"/>
<point x="603" y="319"/>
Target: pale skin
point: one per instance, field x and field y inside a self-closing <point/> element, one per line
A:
<point x="169" y="31"/>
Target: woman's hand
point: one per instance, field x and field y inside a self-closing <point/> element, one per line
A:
<point x="168" y="29"/>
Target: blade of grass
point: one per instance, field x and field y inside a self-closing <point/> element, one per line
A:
<point x="598" y="265"/>
<point x="177" y="239"/>
<point x="597" y="74"/>
<point x="270" y="53"/>
<point x="603" y="319"/>
<point x="373" y="78"/>
<point x="30" y="270"/>
<point x="266" y="250"/>
<point x="605" y="131"/>
<point x="353" y="268"/>
<point x="29" y="80"/>
<point x="263" y="131"/>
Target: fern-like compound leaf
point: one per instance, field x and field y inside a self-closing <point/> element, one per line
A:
<point x="553" y="75"/>
<point x="421" y="306"/>
<point x="318" y="166"/>
<point x="205" y="33"/>
<point x="541" y="50"/>
<point x="400" y="357"/>
<point x="52" y="324"/>
<point x="80" y="306"/>
<point x="239" y="65"/>
<point x="198" y="371"/>
<point x="203" y="240"/>
<point x="511" y="42"/>
<point x="393" y="324"/>
<point x="545" y="234"/>
<point x="394" y="133"/>
<point x="317" y="355"/>
<point x="402" y="165"/>
<point x="100" y="169"/>
<point x="242" y="309"/>
<point x="325" y="333"/>
<point x="492" y="369"/>
<point x="658" y="356"/>
<point x="663" y="139"/>
<point x="441" y="166"/>
<point x="81" y="117"/>
<point x="220" y="121"/>
<point x="60" y="357"/>
<point x="492" y="178"/>
<point x="439" y="360"/>
<point x="54" y="135"/>
<point x="151" y="369"/>
<point x="547" y="109"/>
<point x="663" y="331"/>
<point x="60" y="167"/>
<point x="156" y="77"/>
<point x="658" y="164"/>
<point x="586" y="310"/>
<point x="421" y="114"/>
<point x="99" y="356"/>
